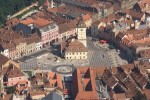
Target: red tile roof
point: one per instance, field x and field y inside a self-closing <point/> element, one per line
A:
<point x="74" y="46"/>
<point x="84" y="84"/>
<point x="12" y="71"/>
<point x="39" y="22"/>
<point x="86" y="17"/>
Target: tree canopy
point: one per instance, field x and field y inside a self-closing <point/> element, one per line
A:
<point x="10" y="7"/>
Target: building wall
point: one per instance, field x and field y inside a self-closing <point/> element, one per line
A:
<point x="76" y="55"/>
<point x="30" y="48"/>
<point x="67" y="34"/>
<point x="15" y="80"/>
<point x="20" y="49"/>
<point x="82" y="35"/>
<point x="12" y="53"/>
<point x="88" y="22"/>
<point x="38" y="45"/>
<point x="37" y="97"/>
<point x="5" y="52"/>
<point x="49" y="35"/>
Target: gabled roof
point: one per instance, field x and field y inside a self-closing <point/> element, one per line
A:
<point x="12" y="71"/>
<point x="3" y="59"/>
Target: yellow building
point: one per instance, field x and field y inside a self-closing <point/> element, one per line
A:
<point x="76" y="50"/>
<point x="20" y="47"/>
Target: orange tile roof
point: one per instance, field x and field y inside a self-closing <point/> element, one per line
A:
<point x="86" y="17"/>
<point x="27" y="21"/>
<point x="54" y="77"/>
<point x="39" y="22"/>
<point x="84" y="84"/>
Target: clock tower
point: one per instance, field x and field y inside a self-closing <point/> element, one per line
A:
<point x="81" y="33"/>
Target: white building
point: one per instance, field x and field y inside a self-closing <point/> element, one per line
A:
<point x="81" y="33"/>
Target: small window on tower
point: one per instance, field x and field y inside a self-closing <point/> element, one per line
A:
<point x="81" y="29"/>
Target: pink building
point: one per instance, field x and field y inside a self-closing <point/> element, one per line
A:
<point x="49" y="34"/>
<point x="12" y="75"/>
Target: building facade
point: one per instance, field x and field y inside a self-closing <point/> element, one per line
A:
<point x="81" y="33"/>
<point x="49" y="34"/>
<point x="76" y="50"/>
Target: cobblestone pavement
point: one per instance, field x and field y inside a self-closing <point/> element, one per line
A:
<point x="98" y="55"/>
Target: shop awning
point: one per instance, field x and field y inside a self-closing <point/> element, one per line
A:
<point x="103" y="41"/>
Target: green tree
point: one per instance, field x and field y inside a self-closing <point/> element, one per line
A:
<point x="9" y="7"/>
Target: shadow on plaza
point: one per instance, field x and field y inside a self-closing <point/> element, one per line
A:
<point x="56" y="50"/>
<point x="121" y="54"/>
<point x="124" y="56"/>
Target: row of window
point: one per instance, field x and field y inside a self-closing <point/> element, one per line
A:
<point x="75" y="57"/>
<point x="75" y="53"/>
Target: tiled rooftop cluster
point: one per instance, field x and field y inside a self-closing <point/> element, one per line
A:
<point x="124" y="81"/>
<point x="125" y="23"/>
<point x="128" y="29"/>
<point x="84" y="84"/>
<point x="65" y="15"/>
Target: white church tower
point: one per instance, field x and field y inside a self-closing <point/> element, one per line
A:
<point x="81" y="33"/>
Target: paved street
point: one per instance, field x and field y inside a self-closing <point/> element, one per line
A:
<point x="98" y="56"/>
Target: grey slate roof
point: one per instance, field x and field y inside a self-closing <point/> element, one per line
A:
<point x="53" y="96"/>
<point x="23" y="28"/>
